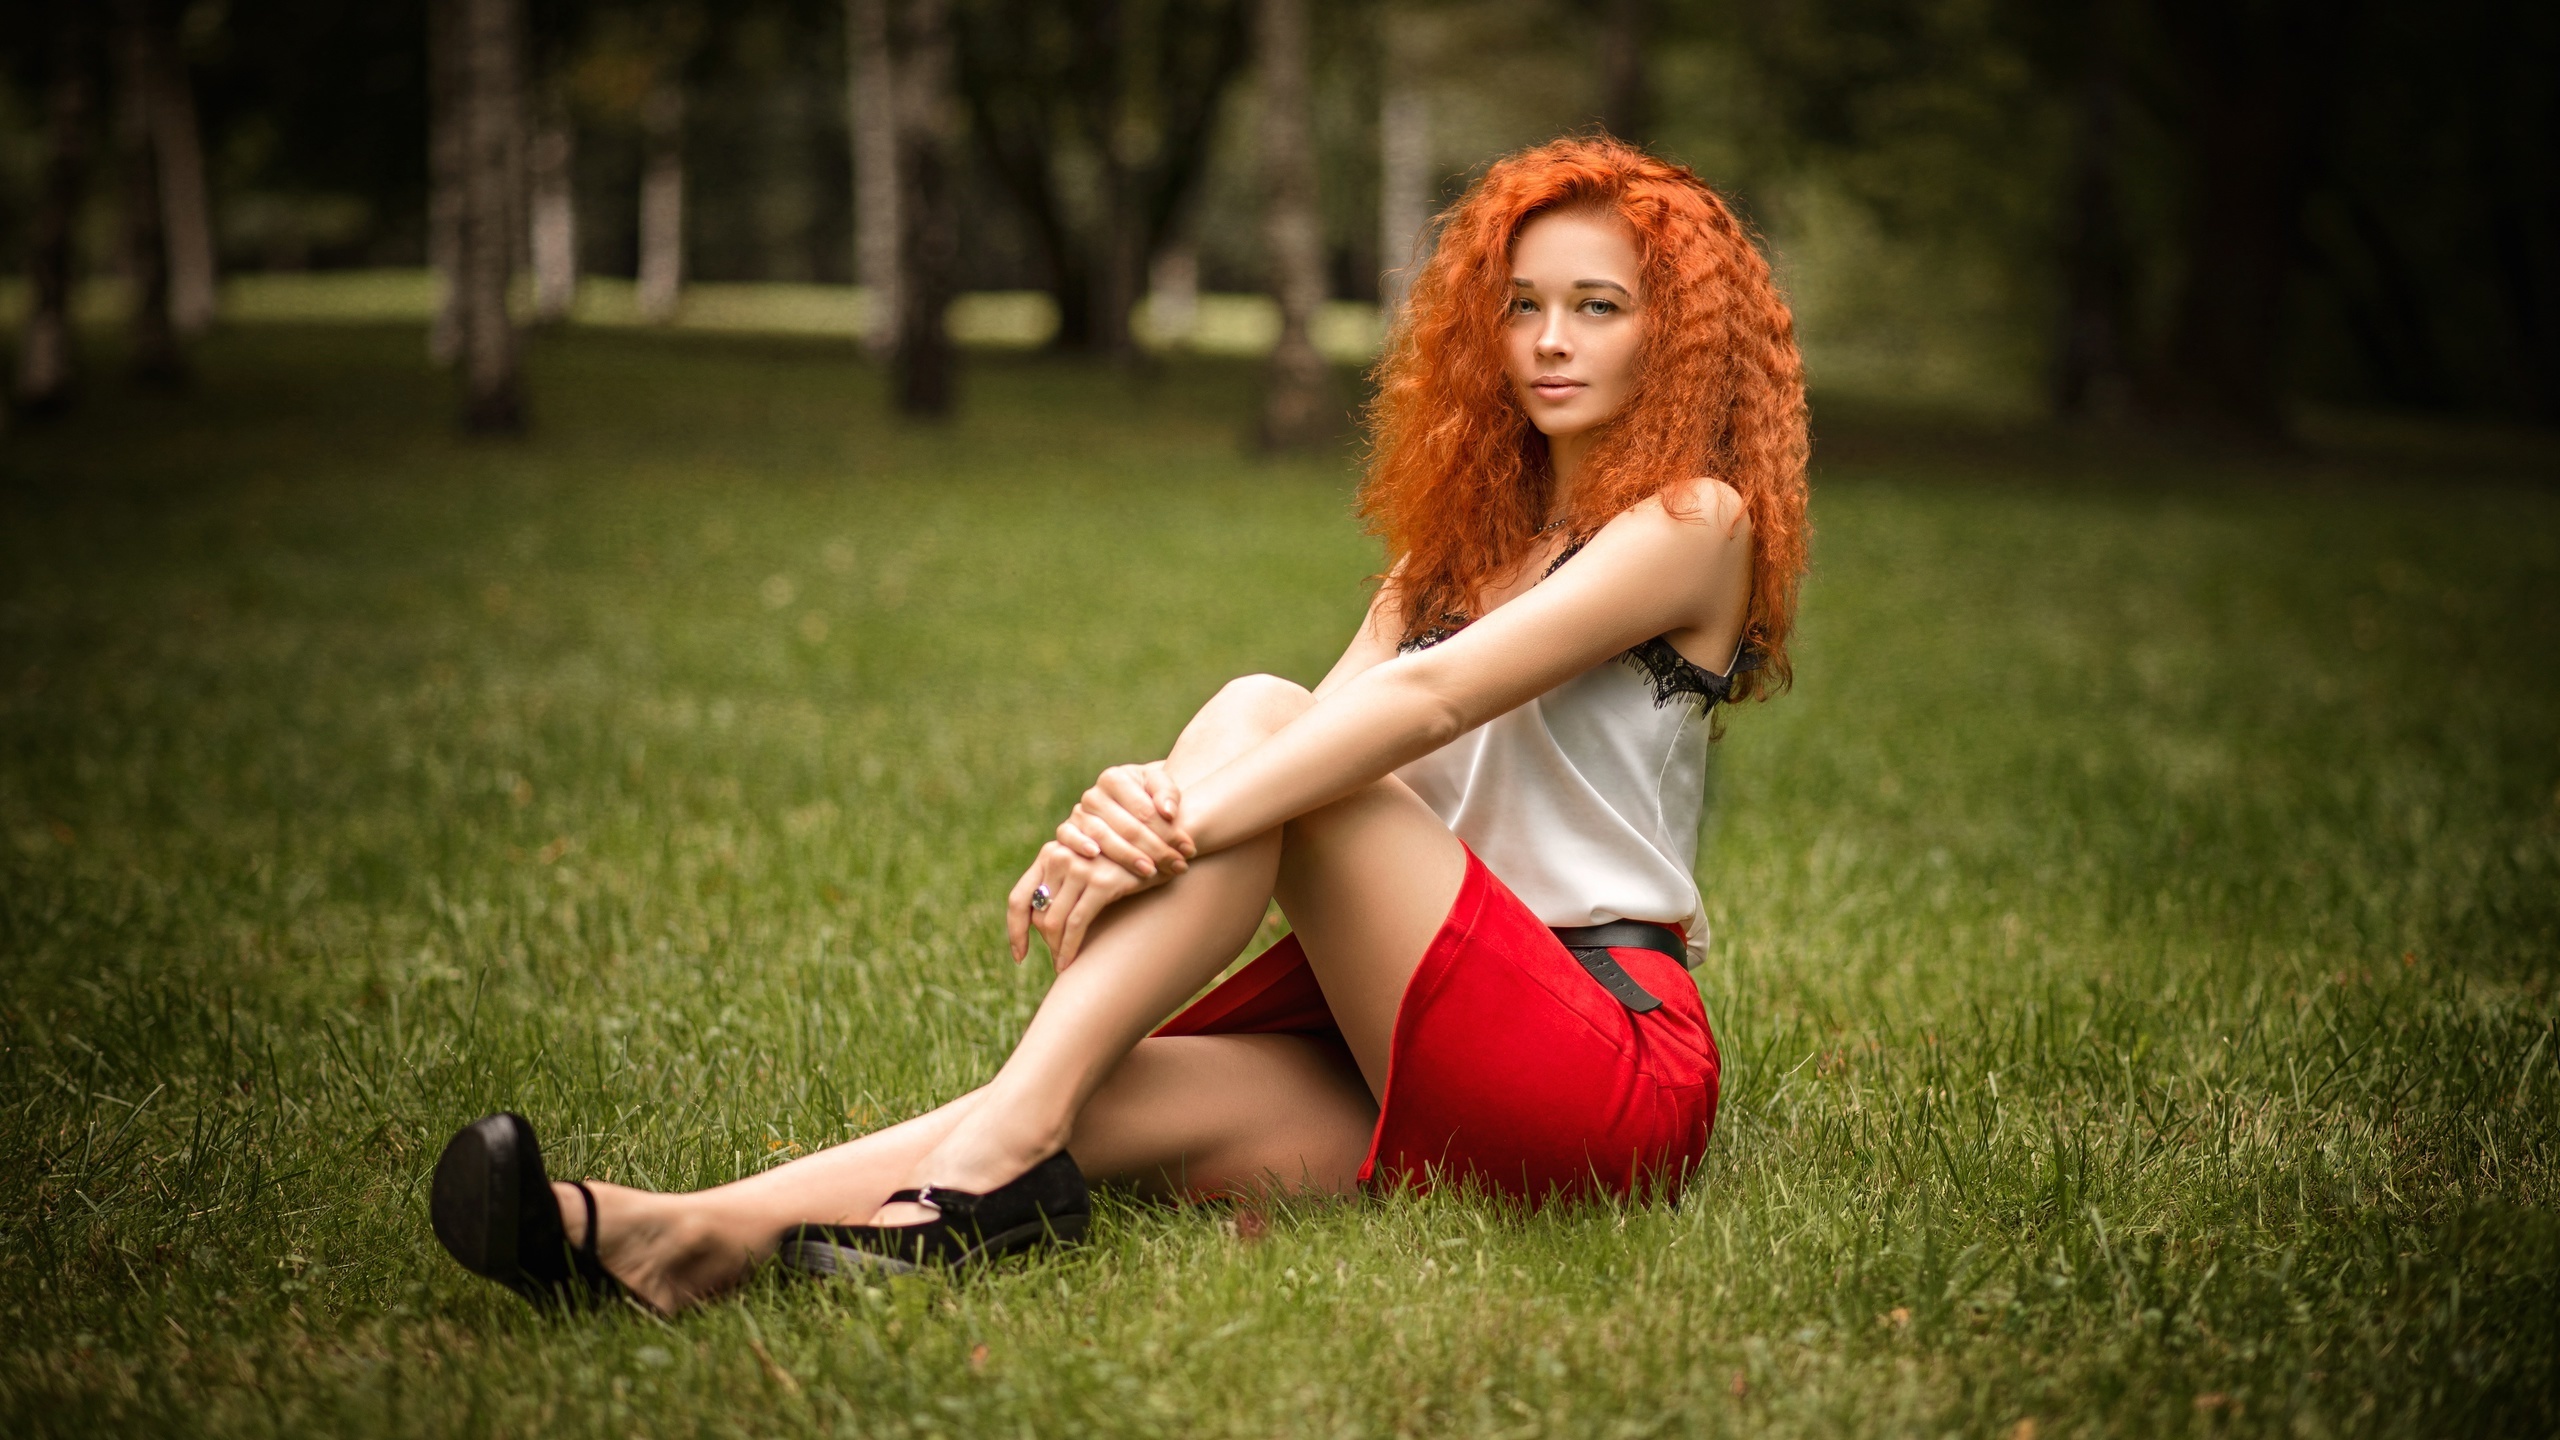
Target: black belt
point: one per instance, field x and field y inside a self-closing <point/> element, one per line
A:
<point x="1591" y="945"/>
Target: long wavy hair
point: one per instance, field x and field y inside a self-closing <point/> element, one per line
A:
<point x="1458" y="481"/>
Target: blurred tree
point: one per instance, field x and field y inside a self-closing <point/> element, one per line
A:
<point x="551" y="204"/>
<point x="871" y="117"/>
<point x="490" y="108"/>
<point x="557" y="31"/>
<point x="1297" y="411"/>
<point x="922" y="62"/>
<point x="178" y="148"/>
<point x="1097" y="115"/>
<point x="446" y="144"/>
<point x="2093" y="362"/>
<point x="661" y="286"/>
<point x="139" y="44"/>
<point x="2257" y="80"/>
<point x="45" y="365"/>
<point x="1404" y="156"/>
<point x="1626" y="91"/>
<point x="2260" y="201"/>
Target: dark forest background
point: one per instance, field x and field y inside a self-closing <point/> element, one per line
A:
<point x="2162" y="210"/>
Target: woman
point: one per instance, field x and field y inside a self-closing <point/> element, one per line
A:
<point x="1588" y="467"/>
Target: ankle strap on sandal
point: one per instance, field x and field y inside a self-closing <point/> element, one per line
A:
<point x="587" y="1245"/>
<point x="944" y="1201"/>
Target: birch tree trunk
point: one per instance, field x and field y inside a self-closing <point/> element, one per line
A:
<point x="445" y="149"/>
<point x="871" y="113"/>
<point x="1404" y="165"/>
<point x="155" y="357"/>
<point x="492" y="96"/>
<point x="929" y="225"/>
<point x="662" y="202"/>
<point x="551" y="174"/>
<point x="1173" y="294"/>
<point x="185" y="215"/>
<point x="45" y="367"/>
<point x="1296" y="411"/>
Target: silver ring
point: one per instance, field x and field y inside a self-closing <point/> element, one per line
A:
<point x="1039" y="898"/>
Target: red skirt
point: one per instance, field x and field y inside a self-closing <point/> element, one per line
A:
<point x="1510" y="1065"/>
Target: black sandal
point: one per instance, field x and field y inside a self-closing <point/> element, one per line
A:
<point x="1047" y="1204"/>
<point x="493" y="1208"/>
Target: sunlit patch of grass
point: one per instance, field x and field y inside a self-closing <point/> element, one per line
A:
<point x="2134" y="967"/>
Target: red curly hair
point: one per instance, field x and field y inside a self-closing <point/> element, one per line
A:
<point x="1458" y="481"/>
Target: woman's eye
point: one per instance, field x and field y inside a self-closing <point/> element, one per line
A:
<point x="1599" y="307"/>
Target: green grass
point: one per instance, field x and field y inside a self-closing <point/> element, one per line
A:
<point x="2137" y="932"/>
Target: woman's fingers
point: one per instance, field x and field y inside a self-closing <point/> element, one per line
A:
<point x="1067" y="886"/>
<point x="1140" y="854"/>
<point x="1072" y="836"/>
<point x="1089" y="903"/>
<point x="1140" y="791"/>
<point x="1021" y="917"/>
<point x="1168" y="795"/>
<point x="1120" y="805"/>
<point x="1017" y="912"/>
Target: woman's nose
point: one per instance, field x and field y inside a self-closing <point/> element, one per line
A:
<point x="1552" y="339"/>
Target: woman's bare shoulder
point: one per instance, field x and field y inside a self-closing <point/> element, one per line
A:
<point x="1705" y="512"/>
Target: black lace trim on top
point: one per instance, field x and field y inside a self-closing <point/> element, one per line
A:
<point x="1673" y="674"/>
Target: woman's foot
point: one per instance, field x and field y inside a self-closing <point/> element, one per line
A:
<point x="982" y="1154"/>
<point x="661" y="1249"/>
<point x="498" y="1215"/>
<point x="1045" y="1204"/>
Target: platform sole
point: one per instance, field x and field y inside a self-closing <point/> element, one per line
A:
<point x="475" y="1200"/>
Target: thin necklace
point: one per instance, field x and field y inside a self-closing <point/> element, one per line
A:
<point x="1553" y="525"/>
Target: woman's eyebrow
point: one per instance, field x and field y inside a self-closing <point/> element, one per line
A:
<point x="1523" y="282"/>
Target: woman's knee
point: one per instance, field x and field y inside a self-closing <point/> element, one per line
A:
<point x="1267" y="701"/>
<point x="1243" y="712"/>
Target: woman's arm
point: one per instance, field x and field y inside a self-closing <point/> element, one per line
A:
<point x="1128" y="815"/>
<point x="1646" y="573"/>
<point x="1372" y="644"/>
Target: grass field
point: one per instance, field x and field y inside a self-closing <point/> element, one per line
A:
<point x="2137" y="933"/>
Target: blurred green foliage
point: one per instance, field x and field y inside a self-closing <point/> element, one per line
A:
<point x="1958" y="192"/>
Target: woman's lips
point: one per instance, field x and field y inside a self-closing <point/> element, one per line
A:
<point x="1554" y="387"/>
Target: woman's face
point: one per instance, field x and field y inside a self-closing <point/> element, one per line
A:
<point x="1576" y="319"/>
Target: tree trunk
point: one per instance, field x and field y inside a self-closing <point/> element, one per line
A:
<point x="492" y="106"/>
<point x="1121" y="264"/>
<point x="552" y="203"/>
<point x="662" y="201"/>
<point x="1296" y="412"/>
<point x="871" y="112"/>
<point x="185" y="216"/>
<point x="2257" y="81"/>
<point x="1173" y="295"/>
<point x="1626" y="96"/>
<point x="45" y="368"/>
<point x="155" y="358"/>
<point x="2093" y="371"/>
<point x="929" y="225"/>
<point x="446" y="144"/>
<point x="1404" y="169"/>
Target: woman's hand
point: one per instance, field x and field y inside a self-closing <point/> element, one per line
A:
<point x="1129" y="816"/>
<point x="1079" y="888"/>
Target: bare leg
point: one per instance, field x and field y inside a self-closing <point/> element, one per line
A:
<point x="1370" y="910"/>
<point x="1366" y="883"/>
